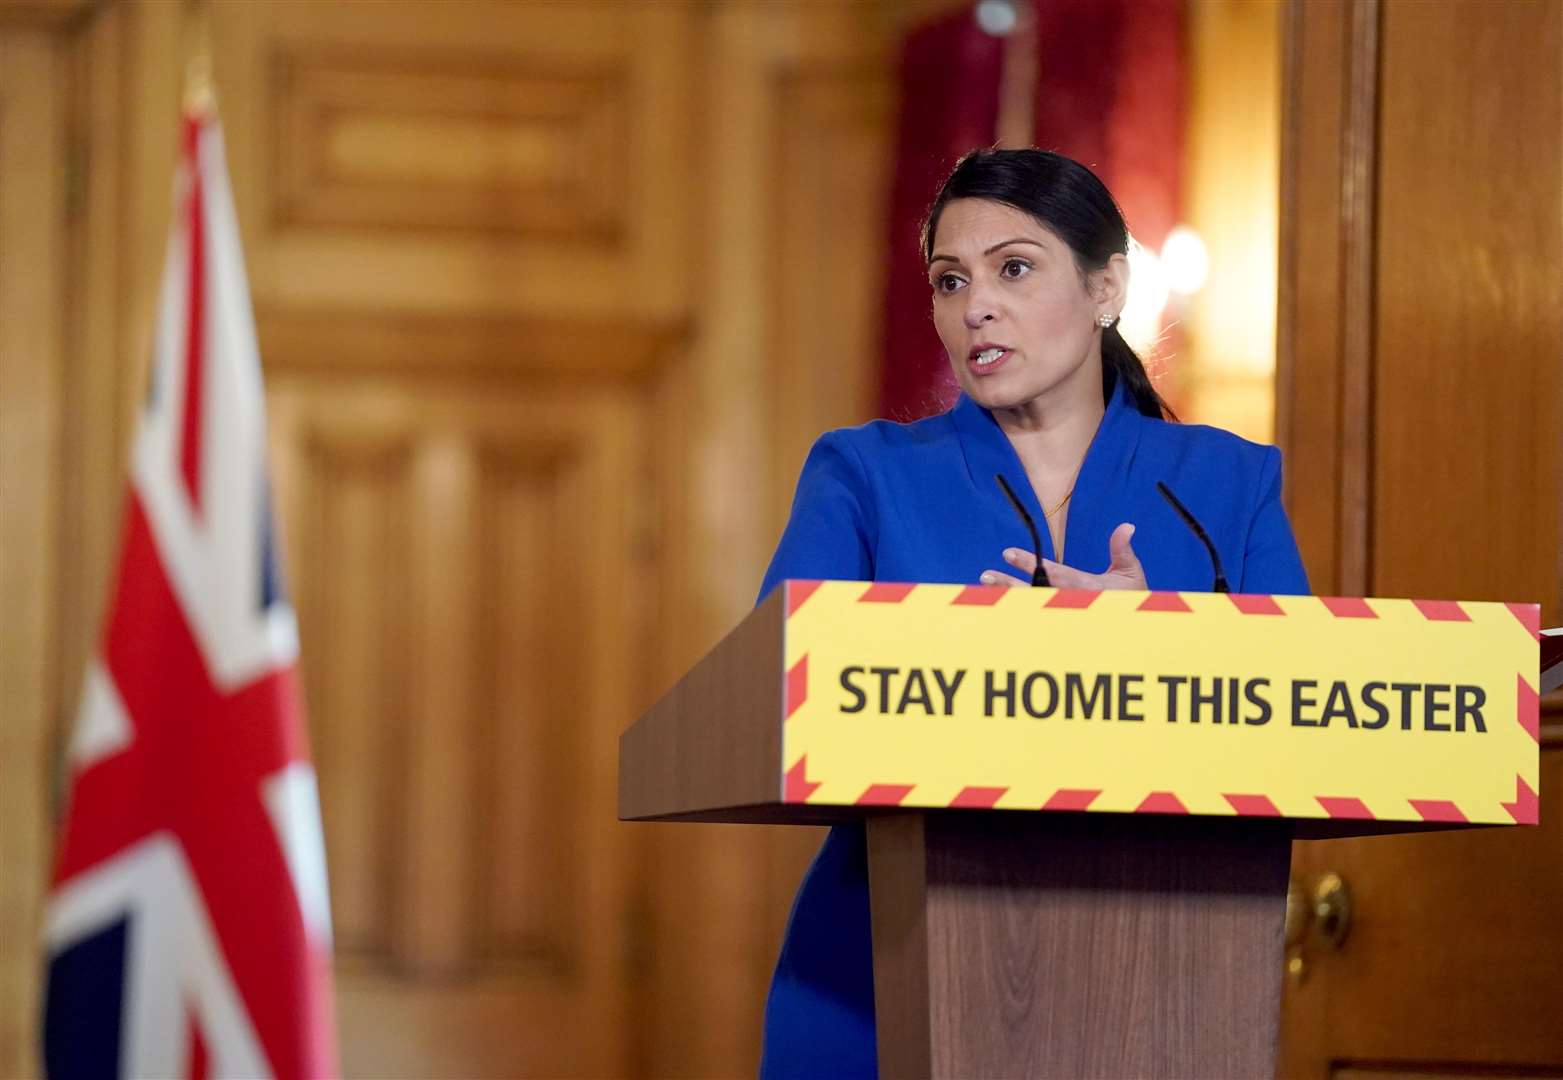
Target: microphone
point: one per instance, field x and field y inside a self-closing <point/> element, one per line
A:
<point x="1220" y="584"/>
<point x="1039" y="575"/>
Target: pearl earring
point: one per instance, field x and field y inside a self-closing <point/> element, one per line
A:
<point x="1104" y="320"/>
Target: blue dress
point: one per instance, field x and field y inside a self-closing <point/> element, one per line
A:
<point x="918" y="502"/>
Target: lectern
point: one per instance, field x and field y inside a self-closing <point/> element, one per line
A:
<point x="1080" y="806"/>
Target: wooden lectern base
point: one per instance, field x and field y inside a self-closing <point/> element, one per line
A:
<point x="1077" y="945"/>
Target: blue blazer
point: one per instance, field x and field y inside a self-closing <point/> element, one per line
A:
<point x="918" y="502"/>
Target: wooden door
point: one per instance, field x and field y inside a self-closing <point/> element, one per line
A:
<point x="1422" y="415"/>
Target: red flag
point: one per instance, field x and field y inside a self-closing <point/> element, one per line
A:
<point x="188" y="930"/>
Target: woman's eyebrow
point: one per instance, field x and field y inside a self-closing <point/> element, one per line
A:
<point x="991" y="250"/>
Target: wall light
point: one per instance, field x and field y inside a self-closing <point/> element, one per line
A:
<point x="1141" y="317"/>
<point x="1185" y="261"/>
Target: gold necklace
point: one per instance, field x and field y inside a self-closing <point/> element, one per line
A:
<point x="1048" y="514"/>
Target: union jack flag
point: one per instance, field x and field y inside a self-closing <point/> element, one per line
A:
<point x="188" y="930"/>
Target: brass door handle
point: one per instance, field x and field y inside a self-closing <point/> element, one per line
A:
<point x="1317" y="914"/>
<point x="1331" y="910"/>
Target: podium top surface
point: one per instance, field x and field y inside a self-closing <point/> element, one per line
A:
<point x="833" y="700"/>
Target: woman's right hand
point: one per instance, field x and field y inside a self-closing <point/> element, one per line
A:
<point x="1123" y="568"/>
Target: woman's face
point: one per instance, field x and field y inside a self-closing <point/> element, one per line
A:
<point x="1015" y="317"/>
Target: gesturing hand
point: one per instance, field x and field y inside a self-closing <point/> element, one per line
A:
<point x="1123" y="569"/>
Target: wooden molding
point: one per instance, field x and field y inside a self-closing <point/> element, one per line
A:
<point x="344" y="343"/>
<point x="1309" y="320"/>
<point x="1358" y="181"/>
<point x="397" y="141"/>
<point x="44" y="13"/>
<point x="1287" y="231"/>
<point x="1327" y="306"/>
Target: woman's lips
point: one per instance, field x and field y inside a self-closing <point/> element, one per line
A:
<point x="979" y="368"/>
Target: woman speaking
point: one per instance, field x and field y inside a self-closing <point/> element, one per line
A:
<point x="1057" y="424"/>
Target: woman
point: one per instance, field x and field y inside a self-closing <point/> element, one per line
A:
<point x="1027" y="261"/>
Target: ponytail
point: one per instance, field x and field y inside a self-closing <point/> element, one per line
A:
<point x="1121" y="365"/>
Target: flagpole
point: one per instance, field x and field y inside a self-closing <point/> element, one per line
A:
<point x="200" y="99"/>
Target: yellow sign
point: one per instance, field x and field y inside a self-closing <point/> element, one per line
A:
<point x="1200" y="703"/>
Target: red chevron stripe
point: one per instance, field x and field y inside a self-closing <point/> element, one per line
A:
<point x="980" y="595"/>
<point x="1348" y="607"/>
<point x="1163" y="601"/>
<point x="1161" y="802"/>
<point x="798" y="592"/>
<point x="1529" y="711"/>
<point x="1442" y="610"/>
<point x="1339" y="807"/>
<point x="1437" y="810"/>
<point x="1255" y="604"/>
<point x="797" y="787"/>
<point x="1529" y="616"/>
<point x="1071" y="799"/>
<point x="885" y="592"/>
<point x="1073" y="599"/>
<point x="1253" y="805"/>
<point x="978" y="798"/>
<point x="1526" y="807"/>
<point x="884" y="794"/>
<point x="797" y="685"/>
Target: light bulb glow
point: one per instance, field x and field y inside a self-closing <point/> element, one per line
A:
<point x="1185" y="261"/>
<point x="996" y="17"/>
<point x="1140" y="321"/>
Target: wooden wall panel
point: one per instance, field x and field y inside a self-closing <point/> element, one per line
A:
<point x="498" y="157"/>
<point x="465" y="694"/>
<point x="1468" y="346"/>
<point x="534" y="515"/>
<point x="405" y="141"/>
<point x="436" y="861"/>
<point x="354" y="665"/>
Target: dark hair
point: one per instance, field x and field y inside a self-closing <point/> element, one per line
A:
<point x="1068" y="198"/>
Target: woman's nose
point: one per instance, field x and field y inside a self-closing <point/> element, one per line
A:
<point x="979" y="309"/>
